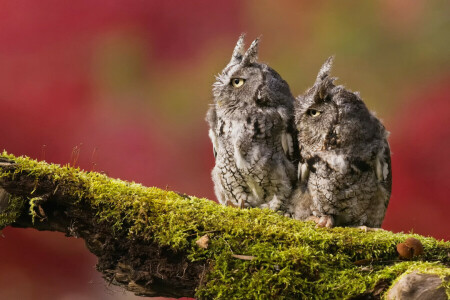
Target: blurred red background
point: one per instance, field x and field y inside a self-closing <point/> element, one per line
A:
<point x="129" y="83"/>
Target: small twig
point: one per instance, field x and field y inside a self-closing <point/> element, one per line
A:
<point x="243" y="257"/>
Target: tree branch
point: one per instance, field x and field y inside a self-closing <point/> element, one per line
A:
<point x="160" y="243"/>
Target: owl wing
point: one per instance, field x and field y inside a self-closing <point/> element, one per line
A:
<point x="383" y="169"/>
<point x="213" y="138"/>
<point x="211" y="118"/>
<point x="289" y="143"/>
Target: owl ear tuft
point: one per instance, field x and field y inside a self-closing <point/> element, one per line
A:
<point x="324" y="82"/>
<point x="322" y="91"/>
<point x="325" y="69"/>
<point x="251" y="55"/>
<point x="238" y="51"/>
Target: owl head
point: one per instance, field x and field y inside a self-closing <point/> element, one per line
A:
<point x="329" y="117"/>
<point x="246" y="82"/>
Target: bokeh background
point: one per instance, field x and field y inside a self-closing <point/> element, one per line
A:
<point x="128" y="83"/>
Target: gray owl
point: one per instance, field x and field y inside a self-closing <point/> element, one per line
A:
<point x="252" y="132"/>
<point x="345" y="167"/>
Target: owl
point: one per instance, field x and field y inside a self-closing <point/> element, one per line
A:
<point x="344" y="170"/>
<point x="252" y="131"/>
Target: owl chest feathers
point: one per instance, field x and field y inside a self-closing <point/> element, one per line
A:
<point x="347" y="187"/>
<point x="250" y="140"/>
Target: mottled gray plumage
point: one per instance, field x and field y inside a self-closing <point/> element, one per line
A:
<point x="251" y="128"/>
<point x="345" y="168"/>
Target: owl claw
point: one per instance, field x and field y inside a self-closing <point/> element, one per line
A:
<point x="313" y="218"/>
<point x="286" y="214"/>
<point x="324" y="221"/>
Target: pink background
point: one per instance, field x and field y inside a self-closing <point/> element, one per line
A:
<point x="129" y="83"/>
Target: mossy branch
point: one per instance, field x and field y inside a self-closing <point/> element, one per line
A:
<point x="150" y="241"/>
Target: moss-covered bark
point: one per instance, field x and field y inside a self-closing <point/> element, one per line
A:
<point x="145" y="240"/>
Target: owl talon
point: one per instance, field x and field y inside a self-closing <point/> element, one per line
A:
<point x="288" y="215"/>
<point x="313" y="219"/>
<point x="324" y="221"/>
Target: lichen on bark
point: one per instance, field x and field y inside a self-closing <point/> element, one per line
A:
<point x="145" y="239"/>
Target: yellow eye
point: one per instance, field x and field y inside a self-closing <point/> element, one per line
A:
<point x="313" y="112"/>
<point x="237" y="82"/>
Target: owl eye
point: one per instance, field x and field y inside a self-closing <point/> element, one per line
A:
<point x="313" y="112"/>
<point x="237" y="82"/>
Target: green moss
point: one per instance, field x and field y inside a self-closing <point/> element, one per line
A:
<point x="33" y="205"/>
<point x="292" y="259"/>
<point x="12" y="212"/>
